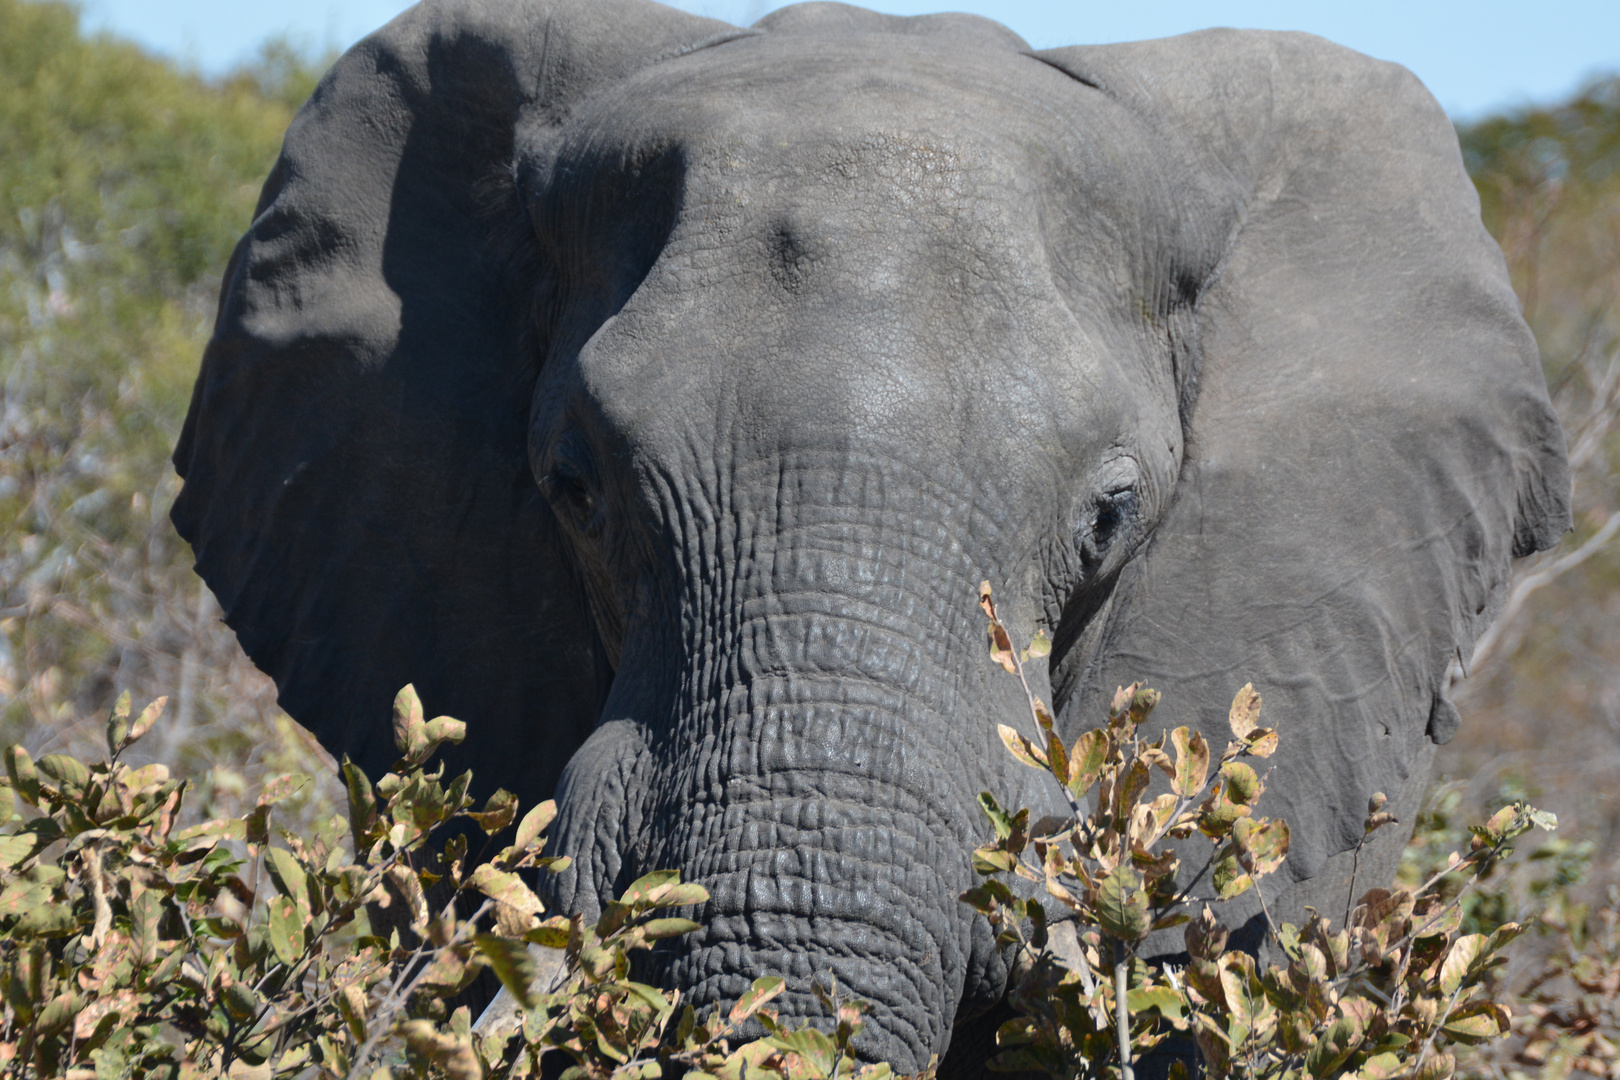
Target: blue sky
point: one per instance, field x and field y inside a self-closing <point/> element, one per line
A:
<point x="1475" y="57"/>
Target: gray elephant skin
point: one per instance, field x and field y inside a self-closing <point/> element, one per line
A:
<point x="655" y="393"/>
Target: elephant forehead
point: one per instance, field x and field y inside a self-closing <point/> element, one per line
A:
<point x="862" y="246"/>
<point x="881" y="110"/>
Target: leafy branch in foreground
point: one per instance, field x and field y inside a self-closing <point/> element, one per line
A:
<point x="1382" y="997"/>
<point x="130" y="947"/>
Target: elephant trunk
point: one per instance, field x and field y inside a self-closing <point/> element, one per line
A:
<point x="814" y="761"/>
<point x="834" y="852"/>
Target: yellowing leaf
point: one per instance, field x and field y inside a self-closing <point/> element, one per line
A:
<point x="1229" y="877"/>
<point x="1086" y="760"/>
<point x="1192" y="761"/>
<point x="1464" y="951"/>
<point x="407" y="719"/>
<point x="1261" y="845"/>
<point x="1040" y="644"/>
<point x="444" y="729"/>
<point x="1245" y="714"/>
<point x="143" y="723"/>
<point x="1021" y="747"/>
<point x="1263" y="742"/>
<point x="533" y="824"/>
<point x="506" y="888"/>
<point x="1477" y="1021"/>
<point x="761" y="992"/>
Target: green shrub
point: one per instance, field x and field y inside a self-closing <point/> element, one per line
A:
<point x="131" y="945"/>
<point x="1387" y="995"/>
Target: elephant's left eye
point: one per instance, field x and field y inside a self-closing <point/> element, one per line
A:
<point x="1114" y="512"/>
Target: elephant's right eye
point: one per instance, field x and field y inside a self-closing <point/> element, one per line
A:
<point x="569" y="491"/>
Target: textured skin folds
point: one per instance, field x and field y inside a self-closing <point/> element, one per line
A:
<point x="655" y="393"/>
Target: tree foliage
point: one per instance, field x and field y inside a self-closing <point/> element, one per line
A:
<point x="124" y="183"/>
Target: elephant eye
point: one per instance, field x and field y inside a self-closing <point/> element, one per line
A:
<point x="1115" y="510"/>
<point x="568" y="488"/>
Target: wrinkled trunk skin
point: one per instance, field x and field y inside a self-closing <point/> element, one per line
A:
<point x="814" y="762"/>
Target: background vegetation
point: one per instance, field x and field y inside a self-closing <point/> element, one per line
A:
<point x="124" y="183"/>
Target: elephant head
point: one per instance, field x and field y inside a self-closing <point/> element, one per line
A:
<point x="654" y="394"/>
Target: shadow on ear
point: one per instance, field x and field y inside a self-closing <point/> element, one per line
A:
<point x="357" y="489"/>
<point x="1370" y="443"/>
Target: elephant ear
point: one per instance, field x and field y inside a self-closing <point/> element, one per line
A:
<point x="1369" y="438"/>
<point x="357" y="490"/>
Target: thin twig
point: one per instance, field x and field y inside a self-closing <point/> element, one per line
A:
<point x="1122" y="1012"/>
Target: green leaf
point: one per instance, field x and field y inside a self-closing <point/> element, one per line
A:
<point x="1383" y="1066"/>
<point x="1237" y="989"/>
<point x="1163" y="998"/>
<point x="1000" y="820"/>
<point x="649" y="888"/>
<point x="1040" y="644"/>
<point x="17" y="847"/>
<point x="654" y="929"/>
<point x="362" y="805"/>
<point x="240" y="1000"/>
<point x="551" y="934"/>
<point x="1333" y="1048"/>
<point x="989" y="860"/>
<point x="513" y="964"/>
<point x="813" y="1046"/>
<point x="1122" y="905"/>
<point x="288" y="875"/>
<point x="498" y="812"/>
<point x="283" y="787"/>
<point x="66" y="770"/>
<point x="20" y="767"/>
<point x="286" y="928"/>
<point x="757" y="995"/>
<point x="26" y="893"/>
<point x="48" y="919"/>
<point x="1242" y="783"/>
<point x="212" y="832"/>
<point x="118" y="724"/>
<point x="145" y="914"/>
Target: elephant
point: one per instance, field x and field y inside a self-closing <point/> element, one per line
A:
<point x="654" y="394"/>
